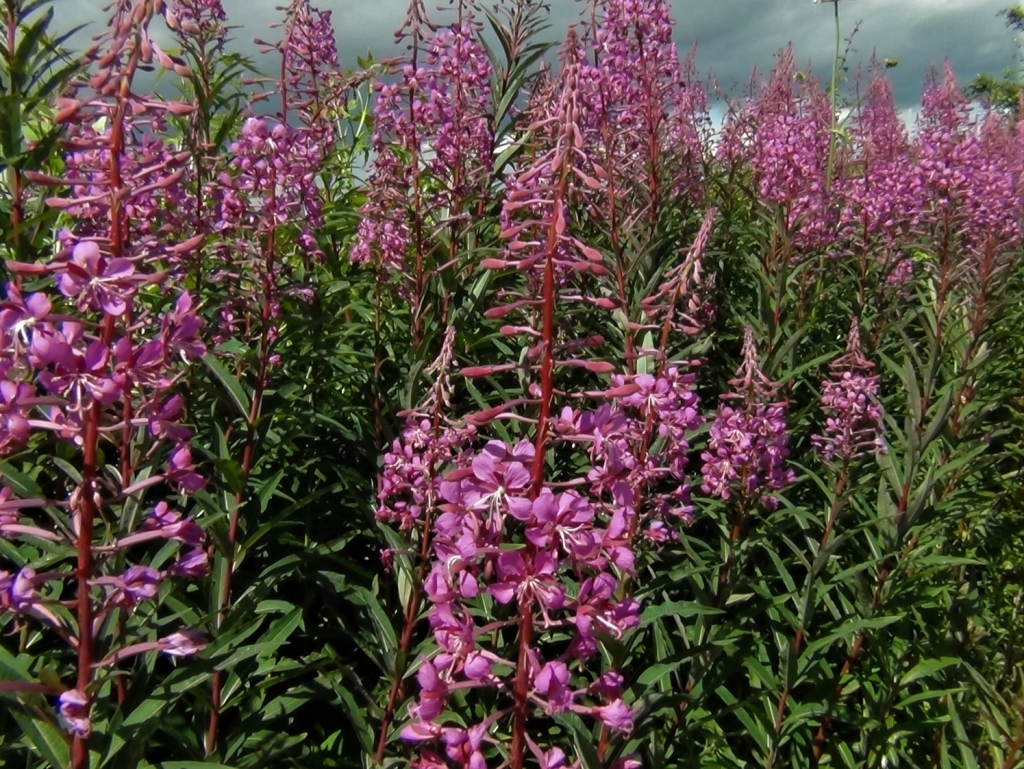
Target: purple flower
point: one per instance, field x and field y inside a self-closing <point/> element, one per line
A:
<point x="18" y="317"/>
<point x="565" y="520"/>
<point x="526" y="582"/>
<point x="184" y="643"/>
<point x="139" y="583"/>
<point x="171" y="525"/>
<point x="748" y="445"/>
<point x="553" y="758"/>
<point x="493" y="479"/>
<point x="80" y="375"/>
<point x="616" y="715"/>
<point x="179" y="330"/>
<point x="201" y="17"/>
<point x="552" y="683"/>
<point x="463" y="746"/>
<point x="477" y="666"/>
<point x="73" y="708"/>
<point x="23" y="597"/>
<point x="853" y="426"/>
<point x="104" y="283"/>
<point x="14" y="426"/>
<point x="420" y="731"/>
<point x="444" y="103"/>
<point x="195" y="563"/>
<point x="181" y="470"/>
<point x="433" y="692"/>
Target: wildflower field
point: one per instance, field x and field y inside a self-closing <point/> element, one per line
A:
<point x="495" y="407"/>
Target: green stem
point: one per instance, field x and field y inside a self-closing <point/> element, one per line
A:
<point x="833" y="89"/>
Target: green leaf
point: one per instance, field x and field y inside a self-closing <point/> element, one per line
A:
<point x="385" y="631"/>
<point x="46" y="738"/>
<point x="927" y="668"/>
<point x="655" y="673"/>
<point x="282" y="628"/>
<point x="20" y="483"/>
<point x="235" y="391"/>
<point x="582" y="738"/>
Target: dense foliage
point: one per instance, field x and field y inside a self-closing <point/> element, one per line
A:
<point x="1002" y="92"/>
<point x="493" y="407"/>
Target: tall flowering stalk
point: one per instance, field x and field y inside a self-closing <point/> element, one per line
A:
<point x="200" y="30"/>
<point x="853" y="430"/>
<point x="639" y="126"/>
<point x="92" y="357"/>
<point x="311" y="83"/>
<point x="636" y="443"/>
<point x="748" y="445"/>
<point x="409" y="492"/>
<point x="638" y="89"/>
<point x="853" y="426"/>
<point x="486" y="499"/>
<point x="961" y="159"/>
<point x="269" y="207"/>
<point x="960" y="174"/>
<point x="878" y="193"/>
<point x="434" y="142"/>
<point x="783" y="136"/>
<point x="743" y="463"/>
<point x="560" y="548"/>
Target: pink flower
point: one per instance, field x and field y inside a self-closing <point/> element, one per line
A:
<point x="73" y="707"/>
<point x="23" y="597"/>
<point x="181" y="470"/>
<point x="184" y="643"/>
<point x="552" y="683"/>
<point x="493" y="480"/>
<point x="95" y="280"/>
<point x="550" y="759"/>
<point x="170" y="524"/>
<point x="19" y="317"/>
<point x="195" y="563"/>
<point x="526" y="583"/>
<point x="463" y="746"/>
<point x="14" y="427"/>
<point x="433" y="692"/>
<point x="565" y="520"/>
<point x="139" y="583"/>
<point x="476" y="667"/>
<point x="79" y="375"/>
<point x="616" y="715"/>
<point x="419" y="731"/>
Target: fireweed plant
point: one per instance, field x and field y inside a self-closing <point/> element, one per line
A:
<point x="487" y="407"/>
<point x="91" y="361"/>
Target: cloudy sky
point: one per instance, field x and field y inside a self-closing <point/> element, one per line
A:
<point x="732" y="36"/>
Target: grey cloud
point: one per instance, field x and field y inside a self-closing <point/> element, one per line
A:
<point x="733" y="36"/>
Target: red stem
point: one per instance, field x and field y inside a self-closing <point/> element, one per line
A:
<point x="408" y="623"/>
<point x="1018" y="743"/>
<point x="521" y="690"/>
<point x="798" y="637"/>
<point x="88" y="507"/>
<point x="87" y="514"/>
<point x="248" y="456"/>
<point x="858" y="644"/>
<point x="520" y="693"/>
<point x="14" y="179"/>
